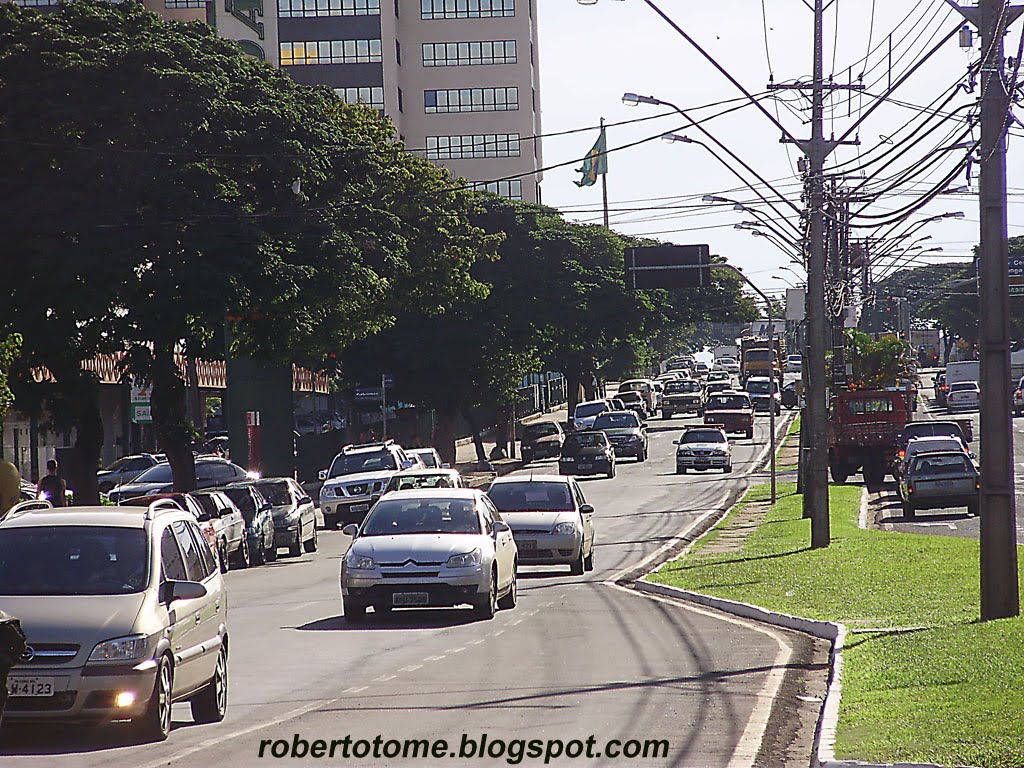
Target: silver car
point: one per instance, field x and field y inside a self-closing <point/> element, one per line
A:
<point x="125" y="613"/>
<point x="552" y="522"/>
<point x="293" y="512"/>
<point x="426" y="548"/>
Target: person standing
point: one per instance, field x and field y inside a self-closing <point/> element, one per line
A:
<point x="52" y="485"/>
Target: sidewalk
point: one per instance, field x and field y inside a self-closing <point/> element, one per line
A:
<point x="465" y="452"/>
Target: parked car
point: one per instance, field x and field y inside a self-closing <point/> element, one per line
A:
<point x="794" y="364"/>
<point x="703" y="448"/>
<point x="429" y="457"/>
<point x="927" y="445"/>
<point x="940" y="480"/>
<point x="585" y="413"/>
<point x="682" y="396"/>
<point x="626" y="432"/>
<point x="587" y="453"/>
<point x="428" y="548"/>
<point x="732" y="411"/>
<point x="125" y="610"/>
<point x="410" y="479"/>
<point x="229" y="527"/>
<point x="259" y="521"/>
<point x="550" y="519"/>
<point x="211" y="471"/>
<point x="963" y="396"/>
<point x="789" y="398"/>
<point x="356" y="474"/>
<point x="764" y="393"/>
<point x="293" y="512"/>
<point x="124" y="470"/>
<point x="541" y="440"/>
<point x="941" y="388"/>
<point x="190" y="504"/>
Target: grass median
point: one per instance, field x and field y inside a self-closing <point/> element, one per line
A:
<point x="924" y="680"/>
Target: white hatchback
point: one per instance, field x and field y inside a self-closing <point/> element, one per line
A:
<point x="963" y="396"/>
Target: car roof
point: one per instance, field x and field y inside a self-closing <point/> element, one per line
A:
<point x="929" y="454"/>
<point x="591" y="402"/>
<point x="427" y="471"/>
<point x="421" y="450"/>
<point x="110" y="517"/>
<point x="531" y="478"/>
<point x="617" y="413"/>
<point x="434" y="493"/>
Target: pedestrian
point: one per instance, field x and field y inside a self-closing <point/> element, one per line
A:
<point x="53" y="487"/>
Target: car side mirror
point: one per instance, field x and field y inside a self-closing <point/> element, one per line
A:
<point x="500" y="526"/>
<point x="446" y="465"/>
<point x="675" y="442"/>
<point x="305" y="500"/>
<point x="586" y="509"/>
<point x="322" y="474"/>
<point x="350" y="530"/>
<point x="205" y="517"/>
<point x="181" y="590"/>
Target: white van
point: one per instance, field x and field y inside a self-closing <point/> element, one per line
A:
<point x="967" y="370"/>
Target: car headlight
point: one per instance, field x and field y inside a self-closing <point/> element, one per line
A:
<point x="718" y="452"/>
<point x="130" y="648"/>
<point x="634" y="438"/>
<point x="684" y="452"/>
<point x="569" y="459"/>
<point x="564" y="529"/>
<point x="465" y="560"/>
<point x="359" y="562"/>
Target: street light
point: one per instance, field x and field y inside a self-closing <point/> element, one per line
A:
<point x="787" y="282"/>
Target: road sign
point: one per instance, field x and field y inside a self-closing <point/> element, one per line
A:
<point x="369" y="393"/>
<point x="1016" y="275"/>
<point x="388" y="380"/>
<point x="139" y="404"/>
<point x="142" y="414"/>
<point x="668" y="266"/>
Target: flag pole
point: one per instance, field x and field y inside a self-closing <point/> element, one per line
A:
<point x="604" y="183"/>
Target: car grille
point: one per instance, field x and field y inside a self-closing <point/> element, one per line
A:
<point x="530" y="531"/>
<point x="407" y="574"/>
<point x="434" y="563"/>
<point x="48" y="654"/>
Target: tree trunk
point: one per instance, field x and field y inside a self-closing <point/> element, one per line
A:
<point x="444" y="434"/>
<point x="172" y="428"/>
<point x="572" y="392"/>
<point x="502" y="432"/>
<point x="474" y="429"/>
<point x="80" y="390"/>
<point x="589" y="386"/>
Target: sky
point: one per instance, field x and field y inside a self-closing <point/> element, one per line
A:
<point x="590" y="55"/>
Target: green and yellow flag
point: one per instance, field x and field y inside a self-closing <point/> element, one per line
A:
<point x="595" y="163"/>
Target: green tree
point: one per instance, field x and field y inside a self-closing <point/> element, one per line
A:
<point x="9" y="348"/>
<point x="877" y="364"/>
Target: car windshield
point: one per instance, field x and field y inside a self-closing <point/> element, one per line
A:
<point x="124" y="462"/>
<point x="674" y="387"/>
<point x="584" y="440"/>
<point x="533" y="431"/>
<point x="961" y="386"/>
<point x="757" y="355"/>
<point x="406" y="482"/>
<point x="158" y="473"/>
<point x="276" y="492"/>
<point x="73" y="560"/>
<point x="942" y="464"/>
<point x="531" y="496"/>
<point x="583" y="410"/>
<point x="726" y="403"/>
<point x="243" y="500"/>
<point x="631" y="386"/>
<point x="930" y="429"/>
<point x="703" y="436"/>
<point x="427" y="457"/>
<point x="352" y="463"/>
<point x="759" y="387"/>
<point x="415" y="516"/>
<point x="616" y="421"/>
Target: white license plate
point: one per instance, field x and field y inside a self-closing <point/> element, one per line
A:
<point x="526" y="544"/>
<point x="360" y="507"/>
<point x="410" y="598"/>
<point x="30" y="686"/>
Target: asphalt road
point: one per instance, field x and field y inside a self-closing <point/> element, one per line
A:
<point x="579" y="657"/>
<point x="954" y="521"/>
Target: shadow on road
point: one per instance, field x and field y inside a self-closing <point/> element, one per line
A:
<point x="430" y="618"/>
<point x="18" y="738"/>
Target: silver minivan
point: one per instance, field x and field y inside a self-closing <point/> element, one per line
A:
<point x="125" y="613"/>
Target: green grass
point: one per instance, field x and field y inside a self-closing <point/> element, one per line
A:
<point x="950" y="693"/>
<point x="791" y="437"/>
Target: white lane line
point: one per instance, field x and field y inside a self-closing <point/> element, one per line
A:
<point x="516" y="622"/>
<point x="498" y="632"/>
<point x="208" y="743"/>
<point x="384" y="678"/>
<point x="356" y="689"/>
<point x="476" y="642"/>
<point x="435" y="658"/>
<point x="300" y="606"/>
<point x="456" y="650"/>
<point x="749" y="743"/>
<point x="411" y="668"/>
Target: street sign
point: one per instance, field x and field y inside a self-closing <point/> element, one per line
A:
<point x="388" y="380"/>
<point x="139" y="404"/>
<point x="1016" y="275"/>
<point x="142" y="414"/>
<point x="369" y="393"/>
<point x="668" y="266"/>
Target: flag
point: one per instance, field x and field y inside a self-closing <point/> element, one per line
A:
<point x="595" y="163"/>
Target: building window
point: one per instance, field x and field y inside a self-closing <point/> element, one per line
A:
<point x="510" y="188"/>
<point x="473" y="146"/>
<point x="466" y="9"/>
<point x="35" y="3"/>
<point x="466" y="54"/>
<point x="330" y="52"/>
<point x="398" y="52"/>
<point x="170" y="3"/>
<point x="471" y="100"/>
<point x="287" y="9"/>
<point x="401" y="101"/>
<point x="372" y="96"/>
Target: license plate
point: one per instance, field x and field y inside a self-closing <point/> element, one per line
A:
<point x="526" y="544"/>
<point x="360" y="507"/>
<point x="585" y="466"/>
<point x="30" y="686"/>
<point x="410" y="598"/>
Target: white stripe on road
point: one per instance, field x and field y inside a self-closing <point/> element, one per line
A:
<point x="300" y="606"/>
<point x="411" y="668"/>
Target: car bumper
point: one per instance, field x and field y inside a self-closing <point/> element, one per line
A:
<point x="547" y="548"/>
<point x="83" y="695"/>
<point x="689" y="406"/>
<point x="447" y="591"/>
<point x="284" y="535"/>
<point x="347" y="510"/>
<point x="540" y="452"/>
<point x="960" y="405"/>
<point x="943" y="501"/>
<point x="701" y="462"/>
<point x="628" y="449"/>
<point x="597" y="467"/>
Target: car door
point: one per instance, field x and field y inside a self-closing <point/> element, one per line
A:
<point x="231" y="517"/>
<point x="181" y="614"/>
<point x="504" y="544"/>
<point x="204" y="641"/>
<point x="307" y="513"/>
<point x="587" y="518"/>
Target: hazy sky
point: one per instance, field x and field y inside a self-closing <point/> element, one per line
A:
<point x="591" y="55"/>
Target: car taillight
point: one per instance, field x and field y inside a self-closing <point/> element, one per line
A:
<point x="910" y="489"/>
<point x="902" y="455"/>
<point x="977" y="485"/>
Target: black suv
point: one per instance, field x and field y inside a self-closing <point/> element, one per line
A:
<point x="587" y="453"/>
<point x="541" y="440"/>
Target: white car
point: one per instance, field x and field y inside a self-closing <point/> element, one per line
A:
<point x="701" y="369"/>
<point x="703" y="448"/>
<point x="729" y="364"/>
<point x="963" y="396"/>
<point x="585" y="413"/>
<point x="429" y="457"/>
<point x="429" y="548"/>
<point x="357" y="474"/>
<point x="794" y="364"/>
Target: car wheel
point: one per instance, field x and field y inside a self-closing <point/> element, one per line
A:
<point x="908" y="511"/>
<point x="295" y="548"/>
<point x="330" y="522"/>
<point x="354" y="611"/>
<point x="680" y="470"/>
<point x="222" y="556"/>
<point x="487" y="606"/>
<point x="588" y="561"/>
<point x="242" y="553"/>
<point x="211" y="704"/>
<point x="313" y="543"/>
<point x="973" y="510"/>
<point x="750" y="433"/>
<point x="259" y="556"/>
<point x="510" y="598"/>
<point x="270" y="554"/>
<point x="727" y="469"/>
<point x="578" y="567"/>
<point x="155" y="723"/>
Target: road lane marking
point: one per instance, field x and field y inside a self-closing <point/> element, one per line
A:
<point x="411" y="668"/>
<point x="356" y="689"/>
<point x="456" y="650"/>
<point x="498" y="632"/>
<point x="300" y="606"/>
<point x="436" y="658"/>
<point x="384" y="678"/>
<point x="476" y="642"/>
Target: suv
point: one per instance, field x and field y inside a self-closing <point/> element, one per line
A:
<point x="125" y="613"/>
<point x="683" y="396"/>
<point x="357" y="474"/>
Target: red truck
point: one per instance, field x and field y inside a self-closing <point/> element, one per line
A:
<point x="863" y="429"/>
